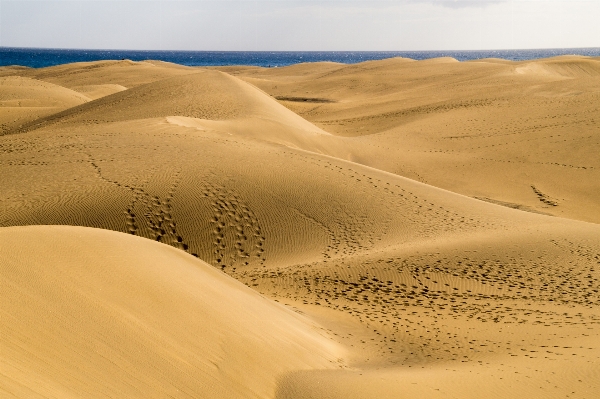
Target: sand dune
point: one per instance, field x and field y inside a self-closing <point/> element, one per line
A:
<point x="94" y="92"/>
<point x="125" y="73"/>
<point x="518" y="133"/>
<point x="29" y="94"/>
<point x="208" y="97"/>
<point x="23" y="100"/>
<point x="92" y="313"/>
<point x="12" y="70"/>
<point x="565" y="67"/>
<point x="344" y="192"/>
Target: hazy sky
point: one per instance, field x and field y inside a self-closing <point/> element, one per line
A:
<point x="300" y="24"/>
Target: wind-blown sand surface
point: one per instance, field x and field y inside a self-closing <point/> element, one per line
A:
<point x="428" y="229"/>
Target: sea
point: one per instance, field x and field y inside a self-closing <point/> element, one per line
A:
<point x="39" y="58"/>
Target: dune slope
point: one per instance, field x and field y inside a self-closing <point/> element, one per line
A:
<point x="92" y="313"/>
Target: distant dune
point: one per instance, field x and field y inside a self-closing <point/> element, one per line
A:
<point x="23" y="100"/>
<point x="484" y="128"/>
<point x="428" y="229"/>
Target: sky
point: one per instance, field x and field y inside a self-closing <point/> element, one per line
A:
<point x="300" y="25"/>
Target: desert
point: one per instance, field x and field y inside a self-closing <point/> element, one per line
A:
<point x="387" y="229"/>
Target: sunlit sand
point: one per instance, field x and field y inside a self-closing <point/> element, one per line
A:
<point x="389" y="229"/>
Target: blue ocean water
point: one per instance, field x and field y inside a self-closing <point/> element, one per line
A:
<point x="37" y="58"/>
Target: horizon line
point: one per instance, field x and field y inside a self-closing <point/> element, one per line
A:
<point x="301" y="51"/>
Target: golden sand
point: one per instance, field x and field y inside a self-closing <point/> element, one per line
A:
<point x="403" y="229"/>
